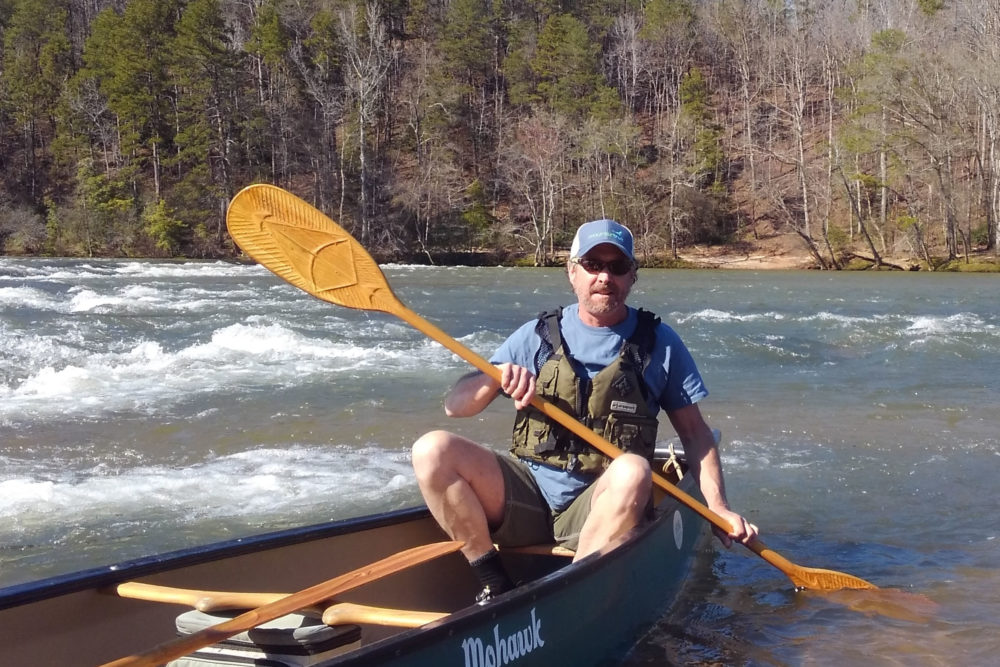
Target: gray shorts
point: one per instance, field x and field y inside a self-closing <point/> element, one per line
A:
<point x="527" y="518"/>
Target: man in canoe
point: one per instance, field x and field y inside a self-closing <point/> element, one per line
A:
<point x="613" y="367"/>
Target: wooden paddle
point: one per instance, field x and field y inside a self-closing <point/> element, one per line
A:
<point x="339" y="613"/>
<point x="309" y="250"/>
<point x="176" y="648"/>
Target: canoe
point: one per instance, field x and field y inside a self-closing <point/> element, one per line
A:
<point x="585" y="613"/>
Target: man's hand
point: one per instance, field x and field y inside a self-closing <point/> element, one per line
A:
<point x="518" y="383"/>
<point x="742" y="530"/>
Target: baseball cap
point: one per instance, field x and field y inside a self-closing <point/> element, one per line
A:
<point x="596" y="232"/>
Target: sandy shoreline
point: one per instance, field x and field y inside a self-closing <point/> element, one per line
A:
<point x="759" y="260"/>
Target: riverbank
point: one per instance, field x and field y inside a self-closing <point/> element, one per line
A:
<point x="773" y="253"/>
<point x="720" y="257"/>
<point x="790" y="259"/>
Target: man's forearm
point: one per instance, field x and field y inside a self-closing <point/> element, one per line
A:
<point x="708" y="471"/>
<point x="470" y="395"/>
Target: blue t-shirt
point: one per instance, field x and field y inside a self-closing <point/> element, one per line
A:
<point x="671" y="376"/>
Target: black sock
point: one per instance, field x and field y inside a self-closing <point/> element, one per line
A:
<point x="491" y="572"/>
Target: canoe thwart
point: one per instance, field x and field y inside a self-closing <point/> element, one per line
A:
<point x="344" y="613"/>
<point x="540" y="550"/>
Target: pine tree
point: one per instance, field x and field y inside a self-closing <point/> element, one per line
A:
<point x="36" y="62"/>
<point x="566" y="64"/>
<point x="205" y="73"/>
<point x="126" y="56"/>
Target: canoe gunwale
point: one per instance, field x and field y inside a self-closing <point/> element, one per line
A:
<point x="111" y="575"/>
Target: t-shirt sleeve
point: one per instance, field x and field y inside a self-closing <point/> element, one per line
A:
<point x="519" y="348"/>
<point x="684" y="384"/>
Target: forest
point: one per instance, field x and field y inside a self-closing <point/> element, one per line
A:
<point x="445" y="131"/>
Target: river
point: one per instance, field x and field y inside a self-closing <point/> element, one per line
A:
<point x="147" y="406"/>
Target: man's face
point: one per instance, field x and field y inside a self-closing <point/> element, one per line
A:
<point x="600" y="292"/>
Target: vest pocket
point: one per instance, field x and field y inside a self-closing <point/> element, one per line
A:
<point x="632" y="433"/>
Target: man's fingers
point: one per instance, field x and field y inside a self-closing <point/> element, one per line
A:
<point x="723" y="537"/>
<point x="524" y="398"/>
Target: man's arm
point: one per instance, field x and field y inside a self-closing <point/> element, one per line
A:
<point x="475" y="390"/>
<point x="706" y="466"/>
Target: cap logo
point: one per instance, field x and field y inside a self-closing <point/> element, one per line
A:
<point x="614" y="235"/>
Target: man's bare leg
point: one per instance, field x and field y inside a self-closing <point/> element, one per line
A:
<point x="463" y="487"/>
<point x="618" y="503"/>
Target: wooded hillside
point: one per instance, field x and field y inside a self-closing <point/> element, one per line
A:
<point x="435" y="128"/>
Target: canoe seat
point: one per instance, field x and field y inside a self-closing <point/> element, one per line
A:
<point x="294" y="640"/>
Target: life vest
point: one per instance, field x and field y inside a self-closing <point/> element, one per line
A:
<point x="614" y="404"/>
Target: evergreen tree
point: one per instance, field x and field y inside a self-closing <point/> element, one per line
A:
<point x="270" y="128"/>
<point x="126" y="56"/>
<point x="566" y="65"/>
<point x="467" y="44"/>
<point x="466" y="41"/>
<point x="707" y="164"/>
<point x="36" y="62"/>
<point x="205" y="73"/>
<point x="159" y="223"/>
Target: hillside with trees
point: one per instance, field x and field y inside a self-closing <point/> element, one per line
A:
<point x="486" y="130"/>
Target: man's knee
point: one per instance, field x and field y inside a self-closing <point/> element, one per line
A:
<point x="629" y="481"/>
<point x="629" y="470"/>
<point x="430" y="443"/>
<point x="430" y="449"/>
<point x="440" y="451"/>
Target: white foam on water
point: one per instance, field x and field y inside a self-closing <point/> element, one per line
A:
<point x="715" y="315"/>
<point x="147" y="378"/>
<point x="28" y="297"/>
<point x="956" y="323"/>
<point x="955" y="334"/>
<point x="59" y="272"/>
<point x="188" y="269"/>
<point x="286" y="482"/>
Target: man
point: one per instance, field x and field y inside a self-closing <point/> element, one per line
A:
<point x="602" y="361"/>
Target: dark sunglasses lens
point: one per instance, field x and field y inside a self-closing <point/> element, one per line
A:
<point x="618" y="267"/>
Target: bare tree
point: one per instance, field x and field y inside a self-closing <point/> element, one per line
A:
<point x="532" y="166"/>
<point x="428" y="182"/>
<point x="314" y="51"/>
<point x="369" y="56"/>
<point x="981" y="23"/>
<point x="746" y="29"/>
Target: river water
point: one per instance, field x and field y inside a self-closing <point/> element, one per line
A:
<point x="148" y="406"/>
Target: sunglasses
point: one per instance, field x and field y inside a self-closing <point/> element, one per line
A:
<point x="616" y="267"/>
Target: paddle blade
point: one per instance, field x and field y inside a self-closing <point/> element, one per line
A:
<point x="818" y="579"/>
<point x="812" y="578"/>
<point x="306" y="248"/>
